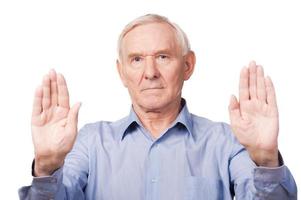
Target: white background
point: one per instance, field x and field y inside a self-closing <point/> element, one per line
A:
<point x="78" y="39"/>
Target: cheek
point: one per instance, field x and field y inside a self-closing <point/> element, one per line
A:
<point x="132" y="78"/>
<point x="175" y="80"/>
<point x="175" y="76"/>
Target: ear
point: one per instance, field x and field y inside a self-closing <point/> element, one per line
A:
<point x="121" y="72"/>
<point x="189" y="62"/>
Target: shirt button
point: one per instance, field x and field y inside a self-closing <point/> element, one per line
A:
<point x="154" y="180"/>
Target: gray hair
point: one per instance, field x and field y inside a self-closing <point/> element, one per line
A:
<point x="154" y="18"/>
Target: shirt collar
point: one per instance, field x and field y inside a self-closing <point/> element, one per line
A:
<point x="184" y="117"/>
<point x="132" y="119"/>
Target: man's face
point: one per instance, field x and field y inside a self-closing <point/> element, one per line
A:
<point x="152" y="66"/>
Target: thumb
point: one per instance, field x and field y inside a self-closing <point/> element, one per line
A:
<point x="72" y="118"/>
<point x="234" y="108"/>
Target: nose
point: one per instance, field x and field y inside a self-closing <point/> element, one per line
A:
<point x="151" y="71"/>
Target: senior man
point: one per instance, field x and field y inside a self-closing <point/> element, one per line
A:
<point x="160" y="150"/>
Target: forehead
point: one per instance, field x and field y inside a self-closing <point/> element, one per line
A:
<point x="150" y="38"/>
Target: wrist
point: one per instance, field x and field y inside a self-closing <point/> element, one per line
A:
<point x="265" y="158"/>
<point x="41" y="170"/>
<point x="44" y="167"/>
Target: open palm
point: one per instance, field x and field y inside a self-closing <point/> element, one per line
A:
<point x="254" y="119"/>
<point x="54" y="124"/>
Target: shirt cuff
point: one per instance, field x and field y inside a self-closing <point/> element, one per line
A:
<point x="47" y="186"/>
<point x="266" y="174"/>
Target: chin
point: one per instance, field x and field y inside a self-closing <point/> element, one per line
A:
<point x="152" y="103"/>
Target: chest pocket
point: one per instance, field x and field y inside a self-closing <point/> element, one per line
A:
<point x="199" y="188"/>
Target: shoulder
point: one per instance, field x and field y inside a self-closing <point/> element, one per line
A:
<point x="205" y="125"/>
<point x="217" y="133"/>
<point x="103" y="129"/>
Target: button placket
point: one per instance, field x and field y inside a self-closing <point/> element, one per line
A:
<point x="153" y="173"/>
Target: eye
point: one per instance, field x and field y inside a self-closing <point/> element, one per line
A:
<point x="163" y="59"/>
<point x="163" y="56"/>
<point x="137" y="59"/>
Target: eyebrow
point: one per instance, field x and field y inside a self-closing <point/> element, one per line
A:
<point x="162" y="51"/>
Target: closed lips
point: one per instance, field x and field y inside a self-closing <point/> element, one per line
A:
<point x="152" y="88"/>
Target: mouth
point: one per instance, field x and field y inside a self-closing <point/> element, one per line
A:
<point x="152" y="88"/>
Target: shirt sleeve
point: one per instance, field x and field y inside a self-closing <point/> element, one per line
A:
<point x="274" y="183"/>
<point x="67" y="182"/>
<point x="42" y="187"/>
<point x="249" y="181"/>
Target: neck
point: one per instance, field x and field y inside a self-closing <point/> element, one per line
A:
<point x="158" y="120"/>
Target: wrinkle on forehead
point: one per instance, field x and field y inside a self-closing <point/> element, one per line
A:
<point x="149" y="39"/>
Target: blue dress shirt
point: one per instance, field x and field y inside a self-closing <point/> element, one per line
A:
<point x="194" y="158"/>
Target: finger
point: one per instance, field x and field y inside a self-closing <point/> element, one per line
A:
<point x="46" y="92"/>
<point x="63" y="94"/>
<point x="72" y="118"/>
<point x="53" y="88"/>
<point x="271" y="94"/>
<point x="253" y="80"/>
<point x="261" y="89"/>
<point x="244" y="85"/>
<point x="37" y="102"/>
<point x="234" y="109"/>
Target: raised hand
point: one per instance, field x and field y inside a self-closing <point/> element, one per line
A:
<point x="254" y="119"/>
<point x="53" y="124"/>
